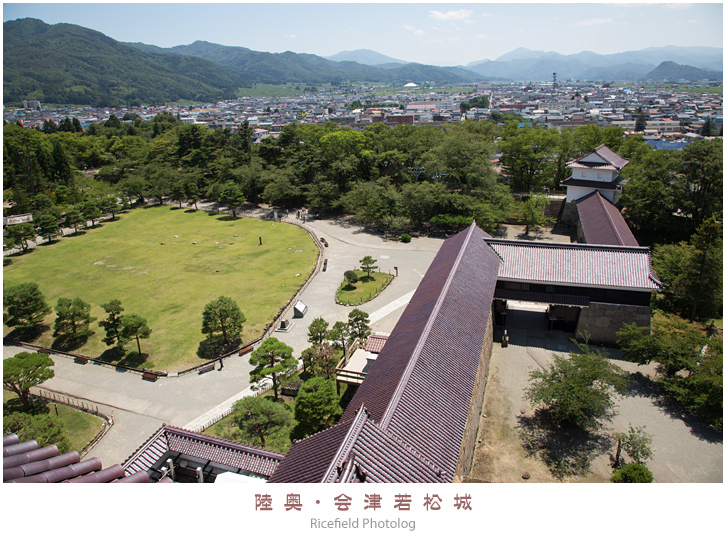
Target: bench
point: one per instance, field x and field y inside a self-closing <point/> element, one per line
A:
<point x="206" y="369"/>
<point x="80" y="360"/>
<point x="44" y="351"/>
<point x="245" y="350"/>
<point x="148" y="376"/>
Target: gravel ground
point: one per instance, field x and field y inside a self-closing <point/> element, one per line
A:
<point x="683" y="449"/>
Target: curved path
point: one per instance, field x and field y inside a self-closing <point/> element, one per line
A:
<point x="140" y="406"/>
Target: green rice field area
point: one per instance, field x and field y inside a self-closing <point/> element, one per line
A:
<point x="148" y="260"/>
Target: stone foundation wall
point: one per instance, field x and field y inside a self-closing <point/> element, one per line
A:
<point x="468" y="443"/>
<point x="601" y="321"/>
<point x="570" y="216"/>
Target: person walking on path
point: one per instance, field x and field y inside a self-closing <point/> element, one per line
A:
<point x="221" y="364"/>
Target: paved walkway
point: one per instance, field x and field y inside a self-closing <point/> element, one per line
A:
<point x="190" y="401"/>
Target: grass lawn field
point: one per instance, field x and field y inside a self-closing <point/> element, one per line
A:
<point x="364" y="290"/>
<point x="165" y="264"/>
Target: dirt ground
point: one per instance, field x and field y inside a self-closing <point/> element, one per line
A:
<point x="514" y="443"/>
<point x="500" y="454"/>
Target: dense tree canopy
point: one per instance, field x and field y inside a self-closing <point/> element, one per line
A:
<point x="24" y="371"/>
<point x="577" y="389"/>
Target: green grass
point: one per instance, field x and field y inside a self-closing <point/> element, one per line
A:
<point x="81" y="427"/>
<point x="170" y="284"/>
<point x="364" y="290"/>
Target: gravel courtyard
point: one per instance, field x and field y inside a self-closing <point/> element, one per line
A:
<point x="684" y="450"/>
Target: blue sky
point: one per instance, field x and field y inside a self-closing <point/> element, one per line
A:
<point x="438" y="33"/>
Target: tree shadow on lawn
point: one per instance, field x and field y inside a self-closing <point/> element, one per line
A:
<point x="641" y="385"/>
<point x="14" y="405"/>
<point x="213" y="346"/>
<point x="133" y="359"/>
<point x="227" y="217"/>
<point x="118" y="355"/>
<point x="70" y="343"/>
<point x="567" y="451"/>
<point x="27" y="334"/>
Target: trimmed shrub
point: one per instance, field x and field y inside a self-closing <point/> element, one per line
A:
<point x="632" y="473"/>
<point x="405" y="238"/>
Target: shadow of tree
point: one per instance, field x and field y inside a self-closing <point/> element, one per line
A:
<point x="70" y="343"/>
<point x="133" y="359"/>
<point x="190" y="210"/>
<point x="566" y="451"/>
<point x="213" y="346"/>
<point x="114" y="354"/>
<point x="227" y="217"/>
<point x="28" y="333"/>
<point x="641" y="385"/>
<point x="15" y="405"/>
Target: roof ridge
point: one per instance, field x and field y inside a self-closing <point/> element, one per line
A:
<point x="144" y="446"/>
<point x="613" y="226"/>
<point x="563" y="245"/>
<point x="347" y="444"/>
<point x="201" y="437"/>
<point x="402" y="383"/>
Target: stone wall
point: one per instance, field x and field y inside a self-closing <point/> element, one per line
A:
<point x="468" y="443"/>
<point x="570" y="216"/>
<point x="601" y="321"/>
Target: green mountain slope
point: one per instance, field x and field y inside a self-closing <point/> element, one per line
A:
<point x="65" y="63"/>
<point x="670" y="71"/>
<point x="264" y="67"/>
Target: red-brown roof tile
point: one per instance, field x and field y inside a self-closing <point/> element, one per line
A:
<point x="602" y="223"/>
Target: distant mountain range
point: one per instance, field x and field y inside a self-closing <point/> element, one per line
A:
<point x="527" y="65"/>
<point x="695" y="63"/>
<point x="69" y="64"/>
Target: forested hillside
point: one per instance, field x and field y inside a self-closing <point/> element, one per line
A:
<point x="69" y="64"/>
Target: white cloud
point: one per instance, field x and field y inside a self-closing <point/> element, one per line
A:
<point x="481" y="36"/>
<point x="459" y="15"/>
<point x="693" y="21"/>
<point x="293" y="36"/>
<point x="591" y="22"/>
<point x="678" y="6"/>
<point x="485" y="14"/>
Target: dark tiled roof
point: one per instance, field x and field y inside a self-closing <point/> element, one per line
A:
<point x="309" y="459"/>
<point x="617" y="267"/>
<point x="220" y="451"/>
<point x="26" y="463"/>
<point x="602" y="223"/>
<point x="601" y="153"/>
<point x="406" y="421"/>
